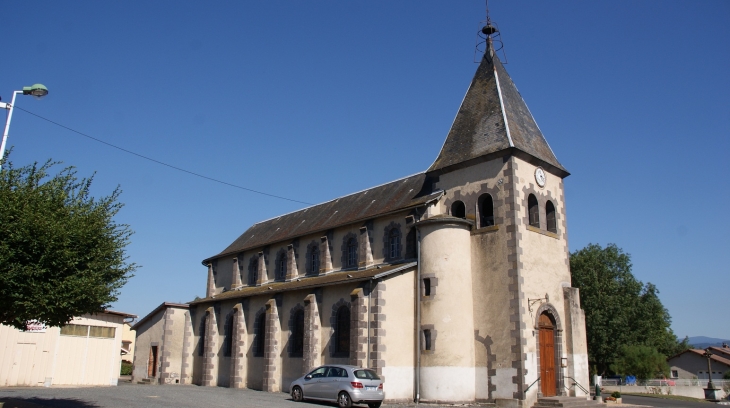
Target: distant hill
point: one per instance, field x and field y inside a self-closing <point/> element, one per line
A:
<point x="702" y="342"/>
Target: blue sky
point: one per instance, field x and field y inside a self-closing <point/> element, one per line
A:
<point x="314" y="100"/>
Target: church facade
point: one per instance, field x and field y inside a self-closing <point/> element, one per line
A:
<point x="453" y="284"/>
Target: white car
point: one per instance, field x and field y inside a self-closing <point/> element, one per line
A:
<point x="343" y="384"/>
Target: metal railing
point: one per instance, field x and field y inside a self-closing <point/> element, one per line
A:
<point x="530" y="386"/>
<point x="576" y="383"/>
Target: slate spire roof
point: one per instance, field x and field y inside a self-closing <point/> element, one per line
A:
<point x="493" y="117"/>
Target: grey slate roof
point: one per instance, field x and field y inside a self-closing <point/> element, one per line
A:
<point x="493" y="117"/>
<point x="479" y="129"/>
<point x="394" y="196"/>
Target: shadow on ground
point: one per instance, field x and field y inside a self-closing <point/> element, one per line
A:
<point x="43" y="403"/>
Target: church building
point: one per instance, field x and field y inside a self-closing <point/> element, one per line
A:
<point x="452" y="284"/>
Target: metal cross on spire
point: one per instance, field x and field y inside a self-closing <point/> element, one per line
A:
<point x="488" y="37"/>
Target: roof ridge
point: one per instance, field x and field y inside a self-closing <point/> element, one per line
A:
<point x="338" y="198"/>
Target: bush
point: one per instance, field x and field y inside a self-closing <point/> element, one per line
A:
<point x="616" y="394"/>
<point x="726" y="376"/>
<point x="126" y="369"/>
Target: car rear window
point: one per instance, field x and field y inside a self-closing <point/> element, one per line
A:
<point x="366" y="375"/>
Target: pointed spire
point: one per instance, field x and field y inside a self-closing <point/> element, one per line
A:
<point x="493" y="117"/>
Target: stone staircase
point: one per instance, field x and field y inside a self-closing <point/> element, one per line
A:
<point x="571" y="402"/>
<point x="145" y="381"/>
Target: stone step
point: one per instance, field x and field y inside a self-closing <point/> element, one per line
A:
<point x="571" y="402"/>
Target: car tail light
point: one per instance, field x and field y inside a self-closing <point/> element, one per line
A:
<point x="380" y="387"/>
<point x="356" y="384"/>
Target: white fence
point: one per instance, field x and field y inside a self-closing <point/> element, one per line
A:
<point x="667" y="383"/>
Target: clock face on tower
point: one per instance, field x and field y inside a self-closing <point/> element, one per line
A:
<point x="540" y="176"/>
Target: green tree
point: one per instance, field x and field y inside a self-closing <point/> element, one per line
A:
<point x="620" y="310"/>
<point x="61" y="253"/>
<point x="642" y="361"/>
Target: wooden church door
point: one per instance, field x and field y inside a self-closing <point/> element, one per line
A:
<point x="547" y="355"/>
<point x="152" y="363"/>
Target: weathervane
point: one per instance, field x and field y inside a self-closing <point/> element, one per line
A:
<point x="488" y="36"/>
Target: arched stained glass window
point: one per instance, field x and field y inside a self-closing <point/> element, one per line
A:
<point x="342" y="332"/>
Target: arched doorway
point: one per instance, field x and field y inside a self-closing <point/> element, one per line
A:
<point x="546" y="326"/>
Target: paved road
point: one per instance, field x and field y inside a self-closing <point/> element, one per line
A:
<point x="143" y="396"/>
<point x="657" y="402"/>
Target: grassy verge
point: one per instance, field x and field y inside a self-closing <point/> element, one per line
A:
<point x="669" y="397"/>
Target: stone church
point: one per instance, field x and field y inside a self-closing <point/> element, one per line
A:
<point x="453" y="284"/>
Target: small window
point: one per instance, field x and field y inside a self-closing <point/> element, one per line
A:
<point x="253" y="272"/>
<point x="534" y="211"/>
<point x="394" y="243"/>
<point x="342" y="332"/>
<point x="458" y="209"/>
<point x="675" y="374"/>
<point x="550" y="217"/>
<point x="427" y="340"/>
<point x="486" y="211"/>
<point x="259" y="341"/>
<point x="314" y="260"/>
<point x="351" y="252"/>
<point x="103" y="332"/>
<point x="427" y="287"/>
<point x="281" y="266"/>
<point x="75" y="330"/>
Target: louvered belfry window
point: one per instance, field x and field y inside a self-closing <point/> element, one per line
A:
<point x="552" y="225"/>
<point x="534" y="211"/>
<point x="486" y="211"/>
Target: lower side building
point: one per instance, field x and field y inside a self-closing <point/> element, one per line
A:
<point x="86" y="351"/>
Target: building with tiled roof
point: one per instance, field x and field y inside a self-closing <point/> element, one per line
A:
<point x="452" y="284"/>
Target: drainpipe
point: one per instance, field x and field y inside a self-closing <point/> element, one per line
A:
<point x="418" y="317"/>
<point x="367" y="354"/>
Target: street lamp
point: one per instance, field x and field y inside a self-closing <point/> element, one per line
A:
<point x="38" y="91"/>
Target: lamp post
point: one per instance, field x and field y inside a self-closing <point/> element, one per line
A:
<point x="37" y="90"/>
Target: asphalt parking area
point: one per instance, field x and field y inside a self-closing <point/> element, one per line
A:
<point x="129" y="395"/>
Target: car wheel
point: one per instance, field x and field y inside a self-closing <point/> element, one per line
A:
<point x="374" y="404"/>
<point x="343" y="400"/>
<point x="296" y="394"/>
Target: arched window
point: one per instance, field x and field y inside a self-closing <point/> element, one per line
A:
<point x="313" y="260"/>
<point x="201" y="343"/>
<point x="259" y="340"/>
<point x="342" y="332"/>
<point x="533" y="210"/>
<point x="351" y="253"/>
<point x="458" y="209"/>
<point x="486" y="211"/>
<point x="253" y="271"/>
<point x="228" y="334"/>
<point x="281" y="266"/>
<point x="394" y="243"/>
<point x="297" y="334"/>
<point x="552" y="225"/>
